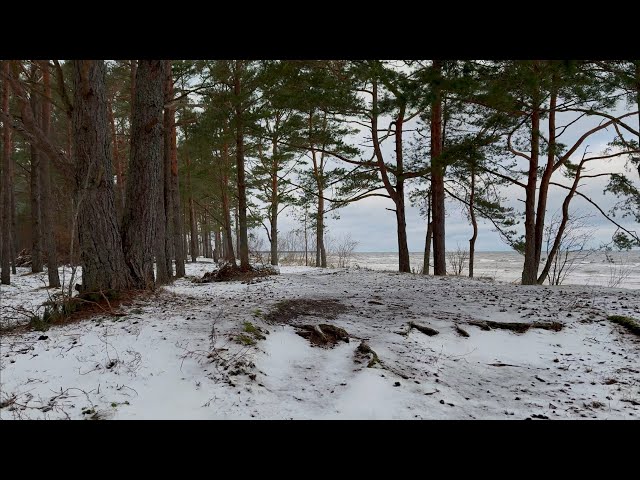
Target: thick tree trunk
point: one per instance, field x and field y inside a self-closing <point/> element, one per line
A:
<point x="437" y="182"/>
<point x="530" y="270"/>
<point x="101" y="257"/>
<point x="35" y="183"/>
<point x="163" y="274"/>
<point x="7" y="183"/>
<point x="474" y="223"/>
<point x="243" y="243"/>
<point x="48" y="224"/>
<point x="168" y="196"/>
<point x="140" y="222"/>
<point x="117" y="162"/>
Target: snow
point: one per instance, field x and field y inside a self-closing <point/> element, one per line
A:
<point x="157" y="362"/>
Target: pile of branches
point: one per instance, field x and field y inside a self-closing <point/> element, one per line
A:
<point x="230" y="272"/>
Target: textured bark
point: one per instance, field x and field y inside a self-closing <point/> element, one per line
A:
<point x="437" y="182"/>
<point x="530" y="269"/>
<point x="140" y="222"/>
<point x="162" y="271"/>
<point x="45" y="182"/>
<point x="243" y="241"/>
<point x="101" y="257"/>
<point x="117" y="162"/>
<point x="35" y="194"/>
<point x="7" y="183"/>
<point x="474" y="223"/>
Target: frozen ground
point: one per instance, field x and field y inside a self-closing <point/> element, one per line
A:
<point x="176" y="355"/>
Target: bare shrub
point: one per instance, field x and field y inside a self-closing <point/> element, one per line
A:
<point x="342" y="248"/>
<point x="458" y="259"/>
<point x="573" y="245"/>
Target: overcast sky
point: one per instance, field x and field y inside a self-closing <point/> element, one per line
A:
<point x="374" y="228"/>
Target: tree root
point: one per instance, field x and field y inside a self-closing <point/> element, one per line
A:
<point x="518" y="327"/>
<point x="460" y="331"/>
<point x="424" y="329"/>
<point x="323" y="334"/>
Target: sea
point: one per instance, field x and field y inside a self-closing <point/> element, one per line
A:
<point x="614" y="269"/>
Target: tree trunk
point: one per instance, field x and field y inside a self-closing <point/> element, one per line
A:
<point x="101" y="257"/>
<point x="14" y="228"/>
<point x="168" y="195"/>
<point x="117" y="163"/>
<point x="428" y="238"/>
<point x="216" y="243"/>
<point x="226" y="208"/>
<point x="48" y="224"/>
<point x="193" y="232"/>
<point x="140" y="223"/>
<point x="174" y="184"/>
<point x="36" y="208"/>
<point x="403" y="248"/>
<point x="274" y="226"/>
<point x="437" y="182"/>
<point x="543" y="191"/>
<point x="7" y="182"/>
<point x="427" y="249"/>
<point x="474" y="223"/>
<point x="243" y="242"/>
<point x="530" y="270"/>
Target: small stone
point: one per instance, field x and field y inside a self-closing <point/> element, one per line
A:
<point x="42" y="337"/>
<point x="397" y="384"/>
<point x="517" y="398"/>
<point x="442" y="402"/>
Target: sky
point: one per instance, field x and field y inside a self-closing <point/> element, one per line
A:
<point x="374" y="228"/>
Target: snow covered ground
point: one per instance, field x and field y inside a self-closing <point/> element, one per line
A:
<point x="180" y="353"/>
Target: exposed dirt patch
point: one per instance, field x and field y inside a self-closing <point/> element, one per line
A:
<point x="230" y="272"/>
<point x="323" y="335"/>
<point x="286" y="311"/>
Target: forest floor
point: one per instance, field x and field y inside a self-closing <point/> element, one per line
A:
<point x="235" y="350"/>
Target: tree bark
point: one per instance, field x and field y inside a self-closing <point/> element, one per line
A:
<point x="193" y="232"/>
<point x="474" y="223"/>
<point x="543" y="191"/>
<point x="530" y="269"/>
<point x="243" y="243"/>
<point x="428" y="238"/>
<point x="275" y="205"/>
<point x="7" y="182"/>
<point x="101" y="257"/>
<point x="36" y="197"/>
<point x="117" y="163"/>
<point x="48" y="224"/>
<point x="174" y="184"/>
<point x="226" y="208"/>
<point x="437" y="181"/>
<point x="140" y="223"/>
